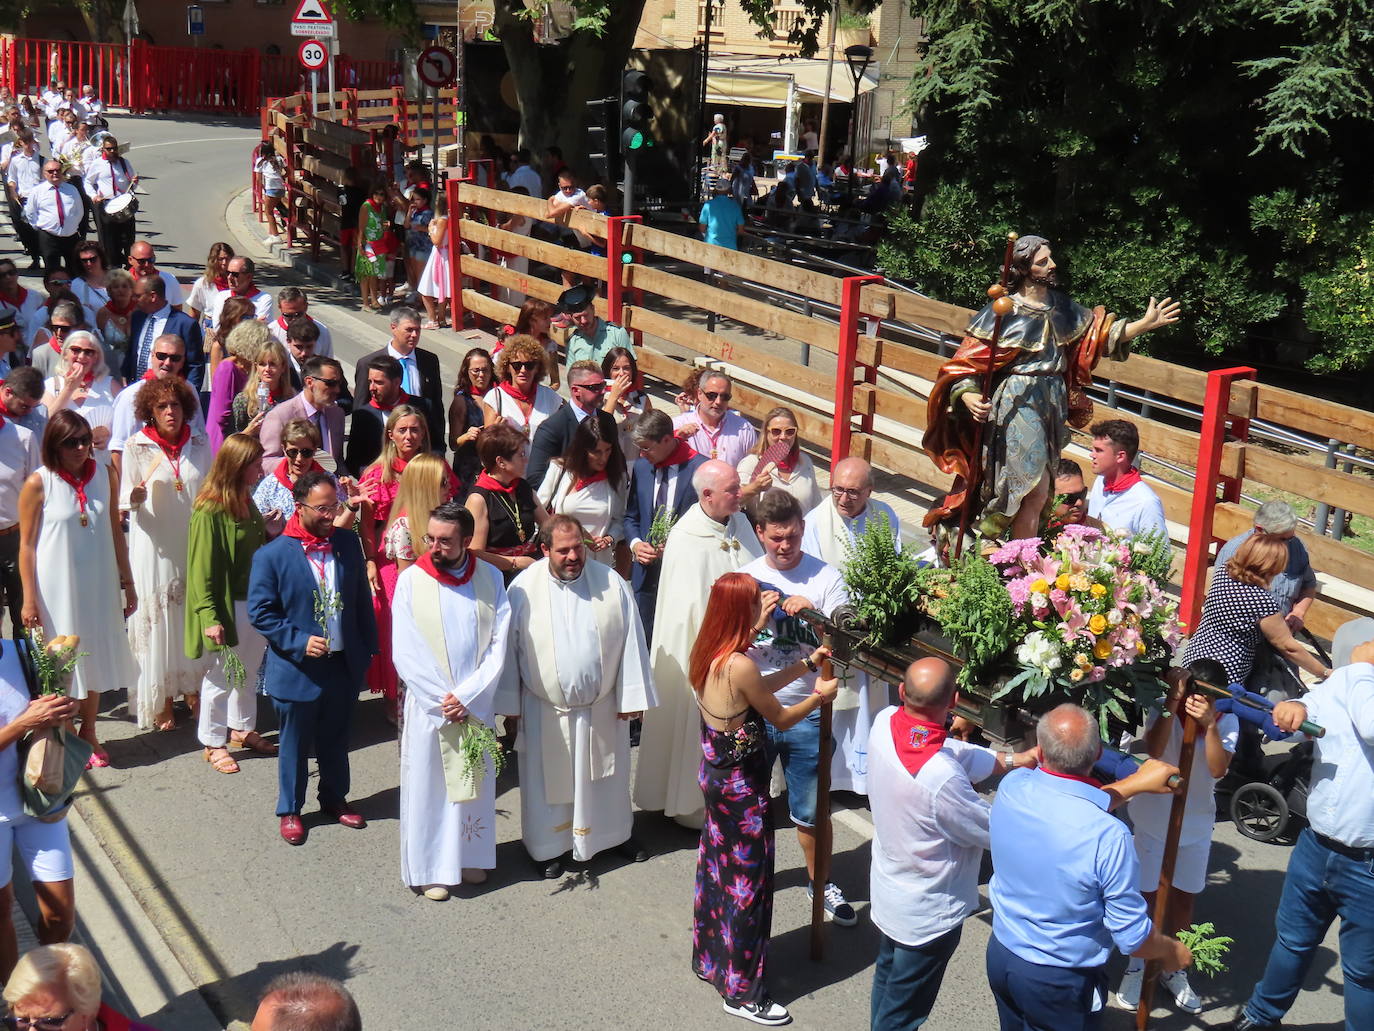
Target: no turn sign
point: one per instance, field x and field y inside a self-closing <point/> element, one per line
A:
<point x="437" y="66"/>
<point x="314" y="55"/>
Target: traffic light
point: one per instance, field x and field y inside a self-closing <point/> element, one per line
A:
<point x="636" y="117"/>
<point x="603" y="126"/>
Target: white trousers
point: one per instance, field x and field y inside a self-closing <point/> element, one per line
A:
<point x="224" y="708"/>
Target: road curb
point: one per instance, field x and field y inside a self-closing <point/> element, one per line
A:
<point x="249" y="234"/>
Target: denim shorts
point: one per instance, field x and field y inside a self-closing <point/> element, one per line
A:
<point x="798" y="748"/>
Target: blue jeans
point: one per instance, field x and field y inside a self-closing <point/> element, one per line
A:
<point x="1321" y="885"/>
<point x="906" y="979"/>
<point x="799" y="749"/>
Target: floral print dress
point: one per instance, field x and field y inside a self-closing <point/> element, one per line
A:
<point x="733" y="909"/>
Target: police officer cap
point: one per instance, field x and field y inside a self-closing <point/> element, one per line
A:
<point x="575" y="299"/>
<point x="7" y="324"/>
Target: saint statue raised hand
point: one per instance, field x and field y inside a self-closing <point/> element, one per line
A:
<point x="1042" y="363"/>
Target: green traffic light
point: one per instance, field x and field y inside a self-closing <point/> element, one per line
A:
<point x="633" y="139"/>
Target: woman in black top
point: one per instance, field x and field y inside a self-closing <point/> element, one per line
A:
<point x="468" y="413"/>
<point x="508" y="516"/>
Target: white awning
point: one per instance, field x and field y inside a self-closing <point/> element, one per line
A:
<point x="762" y="82"/>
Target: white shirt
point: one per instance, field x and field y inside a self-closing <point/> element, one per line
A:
<point x="787" y="639"/>
<point x="108" y="178"/>
<point x="58" y="134"/>
<point x="174" y="293"/>
<point x="263" y="306"/>
<point x="147" y="334"/>
<point x="324" y="347"/>
<point x="95" y="107"/>
<point x="1135" y="510"/>
<point x="325" y="570"/>
<point x="1341" y="802"/>
<point x="1150" y="813"/>
<point x="25" y="172"/>
<point x="41" y="209"/>
<point x="528" y="178"/>
<point x="18" y="458"/>
<point x="30" y="313"/>
<point x="929" y="833"/>
<point x="271" y="175"/>
<point x="92" y="297"/>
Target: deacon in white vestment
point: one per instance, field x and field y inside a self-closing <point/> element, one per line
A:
<point x="711" y="539"/>
<point x="450" y="625"/>
<point x="834" y="524"/>
<point x="584" y="673"/>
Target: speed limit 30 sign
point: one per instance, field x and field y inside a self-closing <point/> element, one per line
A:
<point x="314" y="55"/>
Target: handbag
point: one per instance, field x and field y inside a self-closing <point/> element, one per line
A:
<point x="54" y="760"/>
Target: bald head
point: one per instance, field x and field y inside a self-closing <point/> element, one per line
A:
<point x="851" y="483"/>
<point x="928" y="686"/>
<point x="717" y="486"/>
<point x="300" y="1001"/>
<point x="1068" y="740"/>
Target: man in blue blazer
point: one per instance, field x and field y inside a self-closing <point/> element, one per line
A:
<point x="308" y="595"/>
<point x="152" y="317"/>
<point x="662" y="479"/>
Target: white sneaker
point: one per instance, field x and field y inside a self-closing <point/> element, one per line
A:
<point x="1128" y="994"/>
<point x="273" y="239"/>
<point x="1182" y="991"/>
<point x="765" y="1011"/>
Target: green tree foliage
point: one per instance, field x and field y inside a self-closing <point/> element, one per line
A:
<point x="1139" y="137"/>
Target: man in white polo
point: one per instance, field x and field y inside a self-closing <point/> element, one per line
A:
<point x="1119" y="498"/>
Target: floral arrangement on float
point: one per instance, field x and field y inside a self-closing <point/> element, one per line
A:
<point x="1078" y="614"/>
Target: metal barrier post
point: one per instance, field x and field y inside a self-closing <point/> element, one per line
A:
<point x="847" y="356"/>
<point x="617" y="256"/>
<point x="1215" y="415"/>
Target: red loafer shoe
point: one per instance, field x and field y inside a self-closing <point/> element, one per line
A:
<point x="346" y="815"/>
<point x="292" y="830"/>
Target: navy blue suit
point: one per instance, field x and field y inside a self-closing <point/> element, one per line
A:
<point x="314" y="697"/>
<point x="639" y="516"/>
<point x="178" y="323"/>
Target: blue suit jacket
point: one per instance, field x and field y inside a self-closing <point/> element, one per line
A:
<point x="281" y="604"/>
<point x="639" y="511"/>
<point x="182" y="325"/>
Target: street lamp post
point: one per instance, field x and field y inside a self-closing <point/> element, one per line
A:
<point x="857" y="57"/>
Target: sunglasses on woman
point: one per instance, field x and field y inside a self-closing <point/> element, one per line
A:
<point x="77" y="443"/>
<point x="524" y="366"/>
<point x="294" y="453"/>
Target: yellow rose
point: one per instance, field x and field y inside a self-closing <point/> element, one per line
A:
<point x="1079" y="582"/>
<point x="1097" y="623"/>
<point x="1062" y="581"/>
<point x="1103" y="649"/>
<point x="1098" y="591"/>
<point x="1077" y="674"/>
<point x="1082" y="660"/>
<point x="1040" y="586"/>
<point x="1140" y="647"/>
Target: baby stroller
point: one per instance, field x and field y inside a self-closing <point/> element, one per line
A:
<point x="1275" y="807"/>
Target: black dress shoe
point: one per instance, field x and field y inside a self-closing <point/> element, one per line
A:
<point x="549" y="869"/>
<point x="633" y="851"/>
<point x="1244" y="1023"/>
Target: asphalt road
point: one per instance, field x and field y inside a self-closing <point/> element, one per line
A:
<point x="605" y="946"/>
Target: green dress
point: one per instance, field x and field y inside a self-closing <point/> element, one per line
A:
<point x="374" y="232"/>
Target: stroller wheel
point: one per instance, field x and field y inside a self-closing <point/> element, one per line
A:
<point x="1259" y="811"/>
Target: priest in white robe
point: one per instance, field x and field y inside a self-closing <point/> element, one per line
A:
<point x="450" y="626"/>
<point x="583" y="672"/>
<point x="713" y="538"/>
<point x="834" y="524"/>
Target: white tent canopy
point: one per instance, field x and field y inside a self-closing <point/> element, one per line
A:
<point x="763" y="81"/>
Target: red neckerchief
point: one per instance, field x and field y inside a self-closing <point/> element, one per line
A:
<point x="682" y="453"/>
<point x="1122" y="483"/>
<point x="403" y="399"/>
<point x="172" y="449"/>
<point x="78" y="484"/>
<point x="280" y="472"/>
<point x="487" y="483"/>
<point x="1071" y="776"/>
<point x="515" y="392"/>
<point x="252" y="293"/>
<point x="281" y="320"/>
<point x="294" y="528"/>
<point x="16" y="300"/>
<point x="398" y="465"/>
<point x="588" y="481"/>
<point x="110" y="307"/>
<point x="426" y="563"/>
<point x="221" y="282"/>
<point x="151" y="374"/>
<point x="55" y="344"/>
<point x="916" y="740"/>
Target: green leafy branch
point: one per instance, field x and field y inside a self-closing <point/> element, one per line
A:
<point x="1208" y="948"/>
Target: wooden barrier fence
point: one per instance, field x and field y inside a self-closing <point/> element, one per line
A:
<point x="851" y="410"/>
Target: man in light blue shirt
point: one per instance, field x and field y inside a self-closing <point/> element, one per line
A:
<point x="1331" y="870"/>
<point x="721" y="219"/>
<point x="592" y="337"/>
<point x="1052" y="935"/>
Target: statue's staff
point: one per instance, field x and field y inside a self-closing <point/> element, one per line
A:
<point x="1001" y="307"/>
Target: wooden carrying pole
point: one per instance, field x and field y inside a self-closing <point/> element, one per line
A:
<point x="821" y="869"/>
<point x="1166" y="867"/>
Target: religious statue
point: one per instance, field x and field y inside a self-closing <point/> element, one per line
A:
<point x="1000" y="411"/>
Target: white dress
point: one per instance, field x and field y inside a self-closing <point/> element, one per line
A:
<point x="97" y="407"/>
<point x="546" y="402"/>
<point x="78" y="583"/>
<point x="434" y="280"/>
<point x="801" y="485"/>
<point x="599" y="507"/>
<point x="159" y="531"/>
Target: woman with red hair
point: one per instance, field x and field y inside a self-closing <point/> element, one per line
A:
<point x="733" y="908"/>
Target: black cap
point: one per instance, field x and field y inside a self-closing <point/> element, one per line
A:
<point x="7" y="322"/>
<point x="575" y="299"/>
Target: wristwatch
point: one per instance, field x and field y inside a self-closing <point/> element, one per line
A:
<point x="806" y="660"/>
<point x="1010" y="759"/>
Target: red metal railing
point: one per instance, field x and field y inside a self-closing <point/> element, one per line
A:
<point x="191" y="79"/>
<point x="28" y="65"/>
